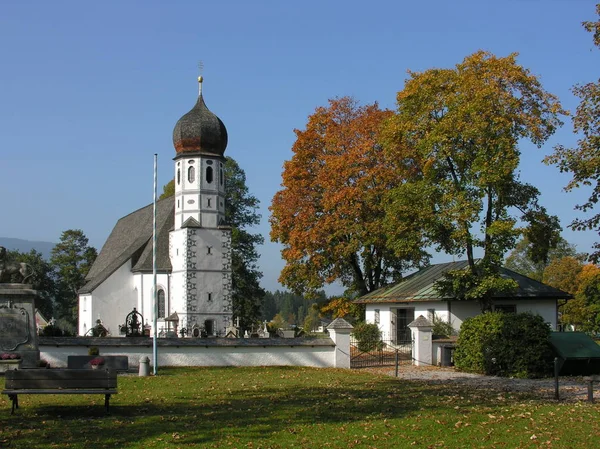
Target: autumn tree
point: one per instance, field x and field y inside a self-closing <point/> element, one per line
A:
<point x="328" y="216"/>
<point x="583" y="312"/>
<point x="456" y="138"/>
<point x="583" y="161"/>
<point x="71" y="258"/>
<point x="520" y="258"/>
<point x="564" y="273"/>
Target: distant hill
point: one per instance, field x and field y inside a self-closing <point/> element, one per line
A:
<point x="25" y="246"/>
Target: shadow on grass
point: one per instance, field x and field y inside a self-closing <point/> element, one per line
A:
<point x="196" y="408"/>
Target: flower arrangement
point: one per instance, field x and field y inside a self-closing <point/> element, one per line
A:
<point x="10" y="356"/>
<point x="98" y="361"/>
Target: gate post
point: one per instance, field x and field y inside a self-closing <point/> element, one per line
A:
<point x="421" y="330"/>
<point x="339" y="331"/>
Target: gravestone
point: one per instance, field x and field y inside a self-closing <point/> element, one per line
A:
<point x="18" y="333"/>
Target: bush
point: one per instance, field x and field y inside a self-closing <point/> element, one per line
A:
<point x="93" y="350"/>
<point x="442" y="328"/>
<point x="504" y="344"/>
<point x="368" y="337"/>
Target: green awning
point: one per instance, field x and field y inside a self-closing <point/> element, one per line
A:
<point x="574" y="346"/>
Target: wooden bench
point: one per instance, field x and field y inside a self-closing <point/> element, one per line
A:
<point x="60" y="381"/>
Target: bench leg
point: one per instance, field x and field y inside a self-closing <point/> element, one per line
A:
<point x="15" y="402"/>
<point x="106" y="402"/>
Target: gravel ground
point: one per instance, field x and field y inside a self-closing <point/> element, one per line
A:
<point x="571" y="388"/>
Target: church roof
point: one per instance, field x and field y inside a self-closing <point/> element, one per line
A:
<point x="200" y="131"/>
<point x="131" y="238"/>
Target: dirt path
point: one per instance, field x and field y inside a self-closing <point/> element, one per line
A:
<point x="571" y="388"/>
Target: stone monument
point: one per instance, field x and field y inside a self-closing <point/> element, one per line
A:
<point x="18" y="330"/>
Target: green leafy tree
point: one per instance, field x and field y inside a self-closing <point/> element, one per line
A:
<point x="521" y="260"/>
<point x="311" y="322"/>
<point x="71" y="259"/>
<point x="43" y="279"/>
<point x="241" y="214"/>
<point x="583" y="161"/>
<point x="455" y="138"/>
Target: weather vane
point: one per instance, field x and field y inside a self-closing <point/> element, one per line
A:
<point x="200" y="69"/>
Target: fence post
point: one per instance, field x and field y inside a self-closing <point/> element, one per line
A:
<point x="397" y="362"/>
<point x="339" y="331"/>
<point x="421" y="330"/>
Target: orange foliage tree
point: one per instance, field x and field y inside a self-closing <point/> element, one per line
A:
<point x="329" y="213"/>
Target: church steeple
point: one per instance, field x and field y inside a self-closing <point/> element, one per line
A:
<point x="200" y="139"/>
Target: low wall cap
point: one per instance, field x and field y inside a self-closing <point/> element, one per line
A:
<point x="340" y="323"/>
<point x="421" y="321"/>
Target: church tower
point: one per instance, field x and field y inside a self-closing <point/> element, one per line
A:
<point x="200" y="242"/>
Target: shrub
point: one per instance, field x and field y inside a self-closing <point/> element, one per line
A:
<point x="504" y="344"/>
<point x="442" y="328"/>
<point x="368" y="337"/>
<point x="93" y="350"/>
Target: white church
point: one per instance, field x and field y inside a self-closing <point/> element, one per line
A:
<point x="193" y="255"/>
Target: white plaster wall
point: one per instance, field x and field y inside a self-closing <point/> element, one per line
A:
<point x="459" y="311"/>
<point x="320" y="356"/>
<point x="146" y="300"/>
<point x="85" y="314"/>
<point x="110" y="299"/>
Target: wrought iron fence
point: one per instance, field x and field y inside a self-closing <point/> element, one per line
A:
<point x="385" y="351"/>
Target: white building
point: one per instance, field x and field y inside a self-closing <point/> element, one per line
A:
<point x="193" y="244"/>
<point x="395" y="306"/>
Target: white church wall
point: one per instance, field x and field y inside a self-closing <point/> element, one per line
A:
<point x="85" y="314"/>
<point x="111" y="298"/>
<point x="145" y="304"/>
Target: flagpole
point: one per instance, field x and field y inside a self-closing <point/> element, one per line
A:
<point x="155" y="296"/>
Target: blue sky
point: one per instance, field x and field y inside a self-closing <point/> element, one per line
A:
<point x="90" y="91"/>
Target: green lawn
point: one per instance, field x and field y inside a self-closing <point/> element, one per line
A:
<point x="294" y="407"/>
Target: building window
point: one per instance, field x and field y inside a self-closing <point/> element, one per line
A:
<point x="208" y="202"/>
<point x="377" y="316"/>
<point x="209" y="249"/>
<point x="191" y="174"/>
<point x="506" y="308"/>
<point x="431" y="315"/>
<point x="161" y="303"/>
<point x="209" y="175"/>
<point x="178" y="176"/>
<point x="210" y="297"/>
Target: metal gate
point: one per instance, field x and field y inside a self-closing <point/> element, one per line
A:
<point x="382" y="352"/>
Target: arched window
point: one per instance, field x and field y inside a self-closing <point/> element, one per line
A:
<point x="161" y="303"/>
<point x="178" y="176"/>
<point x="191" y="174"/>
<point x="209" y="175"/>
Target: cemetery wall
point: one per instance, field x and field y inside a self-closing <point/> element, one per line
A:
<point x="198" y="352"/>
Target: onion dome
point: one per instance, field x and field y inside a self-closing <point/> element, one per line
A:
<point x="200" y="130"/>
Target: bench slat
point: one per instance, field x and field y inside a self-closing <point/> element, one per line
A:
<point x="95" y="391"/>
<point x="60" y="384"/>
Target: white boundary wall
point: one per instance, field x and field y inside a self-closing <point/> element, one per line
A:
<point x="319" y="353"/>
